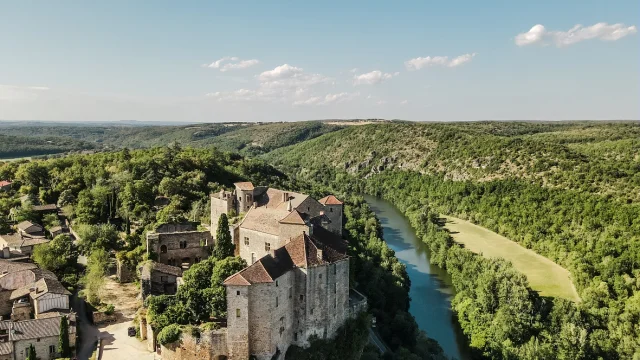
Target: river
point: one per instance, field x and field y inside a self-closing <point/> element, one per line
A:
<point x="431" y="290"/>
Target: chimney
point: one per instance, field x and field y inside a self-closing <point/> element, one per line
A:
<point x="321" y="213"/>
<point x="285" y="196"/>
<point x="319" y="254"/>
<point x="289" y="206"/>
<point x="255" y="204"/>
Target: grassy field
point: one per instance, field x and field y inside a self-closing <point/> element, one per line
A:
<point x="545" y="276"/>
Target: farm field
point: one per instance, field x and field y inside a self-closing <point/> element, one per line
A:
<point x="545" y="276"/>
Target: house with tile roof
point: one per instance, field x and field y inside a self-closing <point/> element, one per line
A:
<point x="271" y="217"/>
<point x="43" y="334"/>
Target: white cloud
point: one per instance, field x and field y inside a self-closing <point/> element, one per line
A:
<point x="232" y="63"/>
<point x="287" y="76"/>
<point x="327" y="99"/>
<point x="422" y="62"/>
<point x="20" y="93"/>
<point x="241" y="95"/>
<point x="381" y="102"/>
<point x="372" y="78"/>
<point x="603" y="31"/>
<point x="404" y="102"/>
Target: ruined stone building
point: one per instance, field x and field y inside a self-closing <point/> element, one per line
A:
<point x="180" y="245"/>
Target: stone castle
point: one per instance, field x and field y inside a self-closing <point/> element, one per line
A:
<point x="297" y="283"/>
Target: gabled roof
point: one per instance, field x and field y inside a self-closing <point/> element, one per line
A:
<point x="34" y="328"/>
<point x="330" y="200"/>
<point x="294" y="217"/>
<point x="40" y="288"/>
<point x="47" y="207"/>
<point x="160" y="267"/>
<point x="26" y="225"/>
<point x="245" y="185"/>
<point x="303" y="251"/>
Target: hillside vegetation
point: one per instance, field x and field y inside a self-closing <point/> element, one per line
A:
<point x="245" y="138"/>
<point x="568" y="191"/>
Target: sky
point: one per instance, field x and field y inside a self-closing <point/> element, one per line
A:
<point x="210" y="61"/>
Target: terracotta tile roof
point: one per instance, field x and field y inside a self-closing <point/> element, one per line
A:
<point x="303" y="251"/>
<point x="246" y="185"/>
<point x="294" y="217"/>
<point x="330" y="200"/>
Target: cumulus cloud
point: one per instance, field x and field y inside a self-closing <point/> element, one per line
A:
<point x="232" y="63"/>
<point x="20" y="93"/>
<point x="404" y="102"/>
<point x="327" y="99"/>
<point x="287" y="76"/>
<point x="422" y="62"/>
<point x="538" y="34"/>
<point x="372" y="78"/>
<point x="242" y="95"/>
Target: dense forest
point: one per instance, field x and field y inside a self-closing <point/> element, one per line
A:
<point x="567" y="191"/>
<point x="244" y="138"/>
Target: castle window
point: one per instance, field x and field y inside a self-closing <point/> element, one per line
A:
<point x="330" y="209"/>
<point x="237" y="313"/>
<point x="335" y="269"/>
<point x="238" y="292"/>
<point x="52" y="349"/>
<point x="163" y="249"/>
<point x="320" y="276"/>
<point x="335" y="288"/>
<point x="276" y="301"/>
<point x="163" y="279"/>
<point x="183" y="244"/>
<point x="311" y="311"/>
<point x="290" y="293"/>
<point x="301" y="297"/>
<point x="246" y="240"/>
<point x="267" y="246"/>
<point x="335" y="303"/>
<point x="276" y="283"/>
<point x="295" y="336"/>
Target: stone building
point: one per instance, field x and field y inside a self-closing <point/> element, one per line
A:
<point x="158" y="279"/>
<point x="299" y="290"/>
<point x="272" y="217"/>
<point x="43" y="334"/>
<point x="179" y="245"/>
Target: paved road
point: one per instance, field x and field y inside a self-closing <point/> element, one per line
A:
<point x="117" y="345"/>
<point x="376" y="341"/>
<point x="89" y="333"/>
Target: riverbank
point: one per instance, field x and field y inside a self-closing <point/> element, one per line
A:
<point x="545" y="276"/>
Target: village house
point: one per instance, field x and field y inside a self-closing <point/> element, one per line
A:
<point x="30" y="229"/>
<point x="43" y="334"/>
<point x="19" y="244"/>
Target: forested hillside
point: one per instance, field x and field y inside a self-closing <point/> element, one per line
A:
<point x="244" y="138"/>
<point x="570" y="191"/>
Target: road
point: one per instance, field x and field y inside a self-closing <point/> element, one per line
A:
<point x="376" y="341"/>
<point x="118" y="345"/>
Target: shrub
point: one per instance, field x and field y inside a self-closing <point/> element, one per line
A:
<point x="109" y="309"/>
<point x="169" y="334"/>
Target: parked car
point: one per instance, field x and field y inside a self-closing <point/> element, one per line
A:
<point x="131" y="331"/>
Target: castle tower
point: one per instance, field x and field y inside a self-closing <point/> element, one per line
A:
<point x="244" y="195"/>
<point x="333" y="210"/>
<point x="221" y="203"/>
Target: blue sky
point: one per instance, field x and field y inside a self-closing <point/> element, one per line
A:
<point x="415" y="60"/>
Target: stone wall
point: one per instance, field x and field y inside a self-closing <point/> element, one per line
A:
<point x="211" y="345"/>
<point x="124" y="273"/>
<point x="256" y="245"/>
<point x="238" y="321"/>
<point x="42" y="346"/>
<point x="167" y="246"/>
<point x="261" y="306"/>
<point x="287" y="232"/>
<point x="334" y="213"/>
<point x="221" y="203"/>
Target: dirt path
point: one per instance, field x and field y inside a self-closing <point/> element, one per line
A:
<point x="545" y="276"/>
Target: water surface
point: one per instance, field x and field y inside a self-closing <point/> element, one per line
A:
<point x="431" y="291"/>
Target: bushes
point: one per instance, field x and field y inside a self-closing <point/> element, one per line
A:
<point x="169" y="334"/>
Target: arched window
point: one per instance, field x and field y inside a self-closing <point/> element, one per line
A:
<point x="163" y="249"/>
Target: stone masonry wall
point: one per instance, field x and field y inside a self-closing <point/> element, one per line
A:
<point x="211" y="345"/>
<point x="261" y="304"/>
<point x="238" y="322"/>
<point x="256" y="245"/>
<point x="218" y="207"/>
<point x="287" y="232"/>
<point x="198" y="243"/>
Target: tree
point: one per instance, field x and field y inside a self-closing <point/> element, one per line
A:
<point x="93" y="279"/>
<point x="31" y="353"/>
<point x="63" y="340"/>
<point x="217" y="292"/>
<point x="60" y="255"/>
<point x="103" y="236"/>
<point x="224" y="246"/>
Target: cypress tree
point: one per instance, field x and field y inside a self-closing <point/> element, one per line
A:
<point x="63" y="340"/>
<point x="224" y="247"/>
<point x="31" y="353"/>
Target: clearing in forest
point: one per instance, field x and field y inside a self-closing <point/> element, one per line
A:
<point x="545" y="276"/>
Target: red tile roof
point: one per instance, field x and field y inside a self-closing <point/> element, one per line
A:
<point x="293" y="218"/>
<point x="303" y="251"/>
<point x="330" y="200"/>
